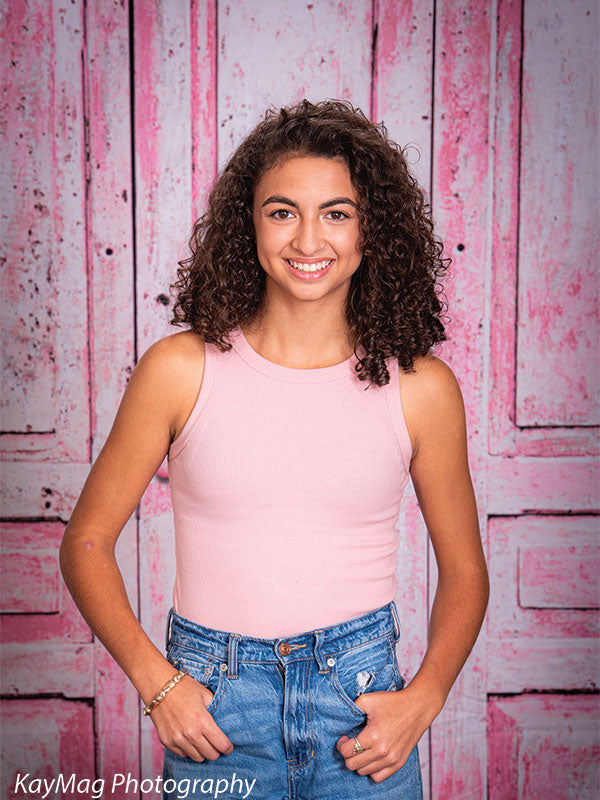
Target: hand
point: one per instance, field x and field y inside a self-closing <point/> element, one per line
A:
<point x="184" y="725"/>
<point x="395" y="723"/>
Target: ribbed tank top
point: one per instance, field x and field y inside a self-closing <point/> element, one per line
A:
<point x="286" y="486"/>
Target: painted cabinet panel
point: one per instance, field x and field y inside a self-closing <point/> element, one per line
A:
<point x="67" y="352"/>
<point x="557" y="373"/>
<point x="543" y="745"/>
<point x="42" y="739"/>
<point x="44" y="303"/>
<point x="542" y="532"/>
<point x="45" y="403"/>
<point x="542" y="622"/>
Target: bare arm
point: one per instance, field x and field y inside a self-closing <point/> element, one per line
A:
<point x="435" y="417"/>
<point x="442" y="481"/>
<point x="147" y="420"/>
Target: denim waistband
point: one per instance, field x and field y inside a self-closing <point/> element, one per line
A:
<point x="232" y="647"/>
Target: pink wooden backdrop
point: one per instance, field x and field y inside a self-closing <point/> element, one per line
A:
<point x="117" y="117"/>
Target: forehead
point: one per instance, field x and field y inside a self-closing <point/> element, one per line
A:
<point x="307" y="176"/>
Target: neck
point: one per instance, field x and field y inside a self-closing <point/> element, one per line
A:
<point x="300" y="339"/>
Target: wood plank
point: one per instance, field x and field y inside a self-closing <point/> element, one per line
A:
<point x="68" y="669"/>
<point x="203" y="31"/>
<point x="55" y="737"/>
<point x="30" y="572"/>
<point x="402" y="87"/>
<point x="166" y="32"/>
<point x="524" y="485"/>
<point x="504" y="434"/>
<point x="41" y="490"/>
<point x="559" y="244"/>
<point x="461" y="184"/>
<point x="401" y="97"/>
<point x="163" y="157"/>
<point x="463" y="35"/>
<point x="559" y="576"/>
<point x="44" y="352"/>
<point x="66" y="626"/>
<point x="112" y="333"/>
<point x="537" y="648"/>
<point x="303" y="60"/>
<point x="508" y="539"/>
<point x="543" y="745"/>
<point x="524" y="665"/>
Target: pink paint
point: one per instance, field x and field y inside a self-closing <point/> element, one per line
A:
<point x="542" y="744"/>
<point x="147" y="121"/>
<point x="559" y="577"/>
<point x="528" y="388"/>
<point x="59" y="738"/>
<point x="461" y="163"/>
<point x="203" y="99"/>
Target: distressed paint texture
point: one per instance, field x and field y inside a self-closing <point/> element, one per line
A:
<point x="557" y="331"/>
<point x="460" y="181"/>
<point x="551" y="743"/>
<point x="108" y="164"/>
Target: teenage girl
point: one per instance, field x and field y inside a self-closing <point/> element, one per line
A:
<point x="293" y="410"/>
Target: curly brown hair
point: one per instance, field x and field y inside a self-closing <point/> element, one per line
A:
<point x="394" y="305"/>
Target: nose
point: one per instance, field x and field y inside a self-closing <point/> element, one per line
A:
<point x="308" y="238"/>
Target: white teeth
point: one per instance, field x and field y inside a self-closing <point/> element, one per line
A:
<point x="310" y="267"/>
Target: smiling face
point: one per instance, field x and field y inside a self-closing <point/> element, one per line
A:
<point x="307" y="227"/>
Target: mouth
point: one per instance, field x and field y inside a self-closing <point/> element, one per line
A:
<point x="309" y="269"/>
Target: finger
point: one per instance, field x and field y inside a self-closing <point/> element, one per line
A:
<point x="345" y="745"/>
<point x="207" y="695"/>
<point x="375" y="766"/>
<point x="364" y="763"/>
<point x="188" y="752"/>
<point x="382" y="775"/>
<point x="204" y="747"/>
<point x="212" y="732"/>
<point x="217" y="738"/>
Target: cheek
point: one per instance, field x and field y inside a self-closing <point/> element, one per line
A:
<point x="269" y="243"/>
<point x="351" y="243"/>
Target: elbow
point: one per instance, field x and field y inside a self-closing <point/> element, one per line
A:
<point x="65" y="555"/>
<point x="76" y="549"/>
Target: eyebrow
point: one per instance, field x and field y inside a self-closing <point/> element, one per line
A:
<point x="276" y="198"/>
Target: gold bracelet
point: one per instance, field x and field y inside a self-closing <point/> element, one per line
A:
<point x="166" y="688"/>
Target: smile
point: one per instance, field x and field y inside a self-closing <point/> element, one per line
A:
<point x="306" y="267"/>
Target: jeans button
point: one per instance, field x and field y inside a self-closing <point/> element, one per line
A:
<point x="284" y="648"/>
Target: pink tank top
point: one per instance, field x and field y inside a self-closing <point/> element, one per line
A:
<point x="286" y="486"/>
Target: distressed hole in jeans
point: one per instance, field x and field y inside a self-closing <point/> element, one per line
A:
<point x="363" y="680"/>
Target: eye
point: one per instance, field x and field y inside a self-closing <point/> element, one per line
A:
<point x="337" y="216"/>
<point x="286" y="213"/>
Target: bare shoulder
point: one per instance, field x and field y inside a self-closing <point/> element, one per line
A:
<point x="173" y="367"/>
<point x="431" y="398"/>
<point x="175" y="352"/>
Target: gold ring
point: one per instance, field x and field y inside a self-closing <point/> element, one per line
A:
<point x="358" y="748"/>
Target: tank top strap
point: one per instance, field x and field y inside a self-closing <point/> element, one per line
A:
<point x="210" y="365"/>
<point x="394" y="401"/>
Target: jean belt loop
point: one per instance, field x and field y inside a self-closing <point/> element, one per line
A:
<point x="232" y="660"/>
<point x="319" y="637"/>
<point x="397" y="627"/>
<point x="168" y="628"/>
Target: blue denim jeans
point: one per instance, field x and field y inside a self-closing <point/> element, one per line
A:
<point x="284" y="703"/>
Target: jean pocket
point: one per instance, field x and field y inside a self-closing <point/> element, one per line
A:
<point x="368" y="667"/>
<point x="204" y="668"/>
